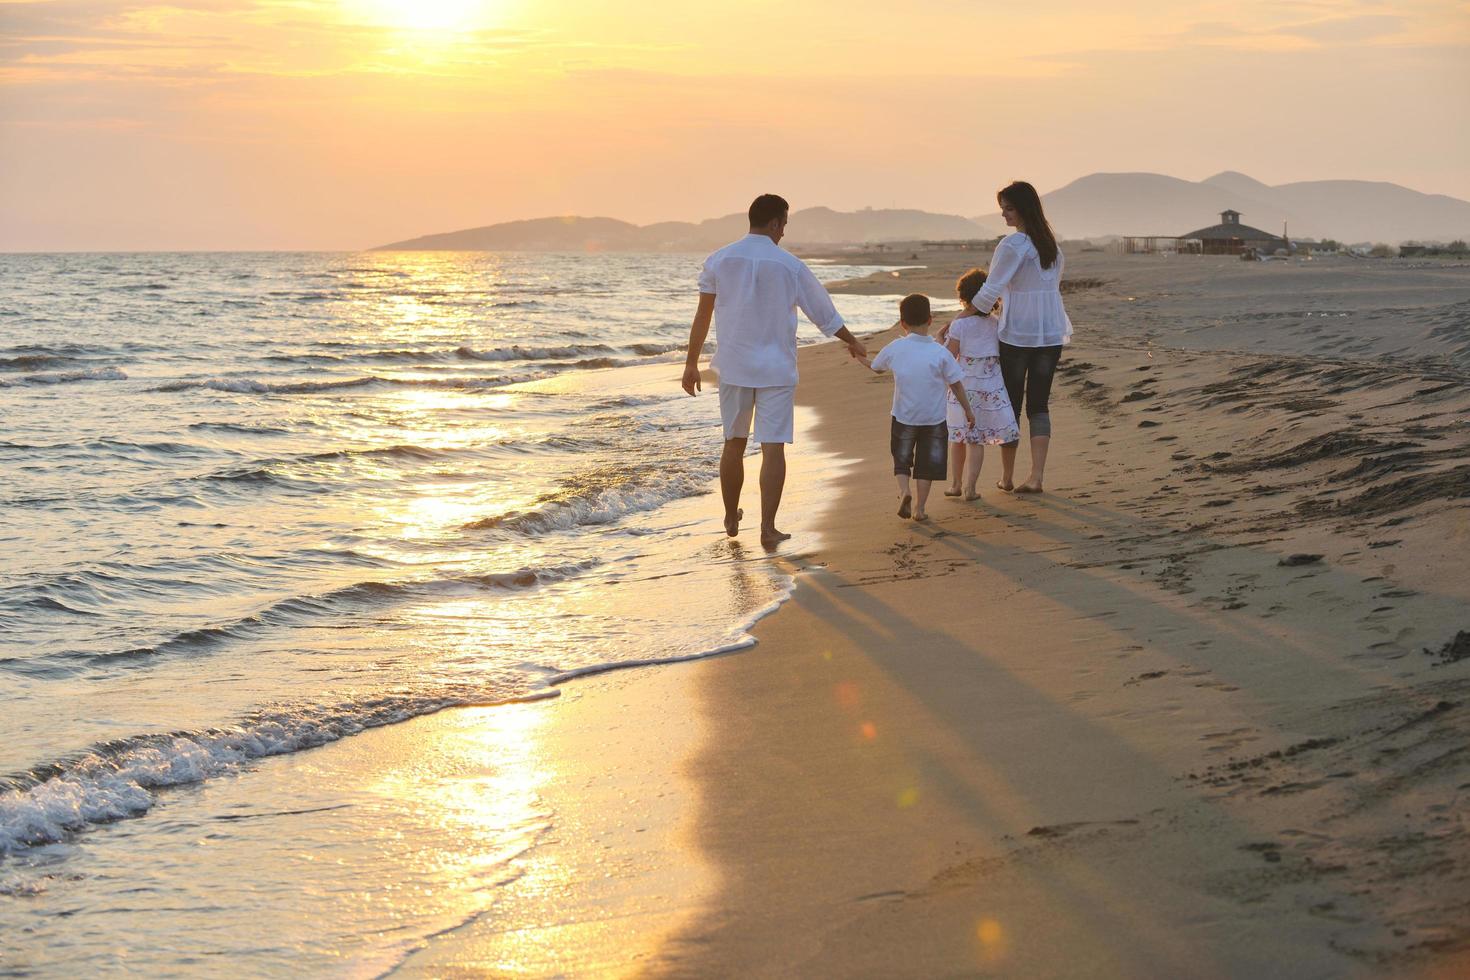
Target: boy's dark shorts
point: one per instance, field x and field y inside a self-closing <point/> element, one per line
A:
<point x="920" y="451"/>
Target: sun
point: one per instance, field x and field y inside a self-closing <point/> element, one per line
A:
<point x="427" y="15"/>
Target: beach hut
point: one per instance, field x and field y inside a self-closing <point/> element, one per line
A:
<point x="1230" y="237"/>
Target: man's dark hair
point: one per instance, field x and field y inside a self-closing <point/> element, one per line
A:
<point x="914" y="310"/>
<point x="766" y="208"/>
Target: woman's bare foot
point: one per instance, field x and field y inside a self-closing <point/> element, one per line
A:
<point x="972" y="494"/>
<point x="953" y="491"/>
<point x="1029" y="487"/>
<point x="905" y="507"/>
<point x="770" y="536"/>
<point x="1004" y="487"/>
<point x="919" y="515"/>
<point x="732" y="522"/>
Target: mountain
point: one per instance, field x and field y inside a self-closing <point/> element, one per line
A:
<point x="1347" y="210"/>
<point x="1089" y="207"/>
<point x="810" y="226"/>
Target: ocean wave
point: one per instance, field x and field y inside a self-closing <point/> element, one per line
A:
<point x="254" y="387"/>
<point x="60" y="350"/>
<point x="121" y="779"/>
<point x="653" y="350"/>
<point x="33" y="362"/>
<point x="114" y="447"/>
<point x="604" y="497"/>
<point x="306" y="296"/>
<point x="629" y="401"/>
<point x="518" y="353"/>
<point x="739" y="639"/>
<point x="67" y="377"/>
<point x="268" y="469"/>
<point x="296" y="610"/>
<point x="584" y="355"/>
<point x="252" y="430"/>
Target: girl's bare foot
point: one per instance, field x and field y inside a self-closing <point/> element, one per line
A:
<point x="1003" y="486"/>
<point x="905" y="507"/>
<point x="1029" y="487"/>
<point x="732" y="522"/>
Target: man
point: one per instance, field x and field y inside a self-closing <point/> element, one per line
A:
<point x="753" y="288"/>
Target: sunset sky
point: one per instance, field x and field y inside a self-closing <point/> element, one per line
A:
<point x="338" y="124"/>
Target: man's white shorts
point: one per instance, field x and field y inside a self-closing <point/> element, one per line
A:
<point x="773" y="409"/>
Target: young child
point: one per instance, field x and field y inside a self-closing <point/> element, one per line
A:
<point x="972" y="340"/>
<point x="922" y="370"/>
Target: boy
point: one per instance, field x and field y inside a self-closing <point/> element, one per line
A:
<point x="922" y="368"/>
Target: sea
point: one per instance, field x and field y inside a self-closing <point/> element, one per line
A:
<point x="252" y="505"/>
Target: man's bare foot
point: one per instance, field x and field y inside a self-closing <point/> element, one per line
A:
<point x="952" y="491"/>
<point x="905" y="507"/>
<point x="732" y="523"/>
<point x="771" y="536"/>
<point x="1004" y="487"/>
<point x="1029" y="487"/>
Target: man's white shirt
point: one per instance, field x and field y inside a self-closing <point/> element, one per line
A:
<point x="758" y="287"/>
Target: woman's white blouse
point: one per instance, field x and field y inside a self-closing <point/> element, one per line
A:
<point x="1032" y="315"/>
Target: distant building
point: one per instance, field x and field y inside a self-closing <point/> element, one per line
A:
<point x="1229" y="237"/>
<point x="963" y="244"/>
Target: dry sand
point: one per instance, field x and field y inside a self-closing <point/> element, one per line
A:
<point x="1203" y="709"/>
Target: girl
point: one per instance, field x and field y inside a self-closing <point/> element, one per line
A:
<point x="971" y="338"/>
<point x="1027" y="272"/>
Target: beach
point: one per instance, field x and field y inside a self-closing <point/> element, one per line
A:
<point x="479" y="697"/>
<point x="1201" y="709"/>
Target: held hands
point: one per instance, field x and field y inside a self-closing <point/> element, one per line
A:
<point x="856" y="349"/>
<point x="691" y="378"/>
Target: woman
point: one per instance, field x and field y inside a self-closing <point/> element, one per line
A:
<point x="1026" y="275"/>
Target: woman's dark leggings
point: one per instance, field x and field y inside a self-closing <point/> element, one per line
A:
<point x="1027" y="372"/>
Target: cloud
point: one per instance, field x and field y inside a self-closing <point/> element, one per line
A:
<point x="1364" y="27"/>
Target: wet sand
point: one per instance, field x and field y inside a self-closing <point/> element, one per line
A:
<point x="1202" y="709"/>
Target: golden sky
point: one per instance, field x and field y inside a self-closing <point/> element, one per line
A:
<point x="256" y="124"/>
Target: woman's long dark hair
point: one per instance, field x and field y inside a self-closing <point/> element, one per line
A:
<point x="1023" y="197"/>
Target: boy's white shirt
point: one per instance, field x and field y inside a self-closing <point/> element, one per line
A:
<point x="922" y="371"/>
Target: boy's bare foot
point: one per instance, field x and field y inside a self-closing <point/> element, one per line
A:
<point x="952" y="491"/>
<point x="1004" y="487"/>
<point x="771" y="536"/>
<point x="904" y="507"/>
<point x="1029" y="488"/>
<point x="732" y="522"/>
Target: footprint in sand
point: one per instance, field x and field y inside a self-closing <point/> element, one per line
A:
<point x="1146" y="676"/>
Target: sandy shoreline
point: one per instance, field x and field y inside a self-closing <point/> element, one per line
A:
<point x="1111" y="731"/>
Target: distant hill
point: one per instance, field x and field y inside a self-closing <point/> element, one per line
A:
<point x="809" y="226"/>
<point x="1089" y="207"/>
<point x="1347" y="210"/>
